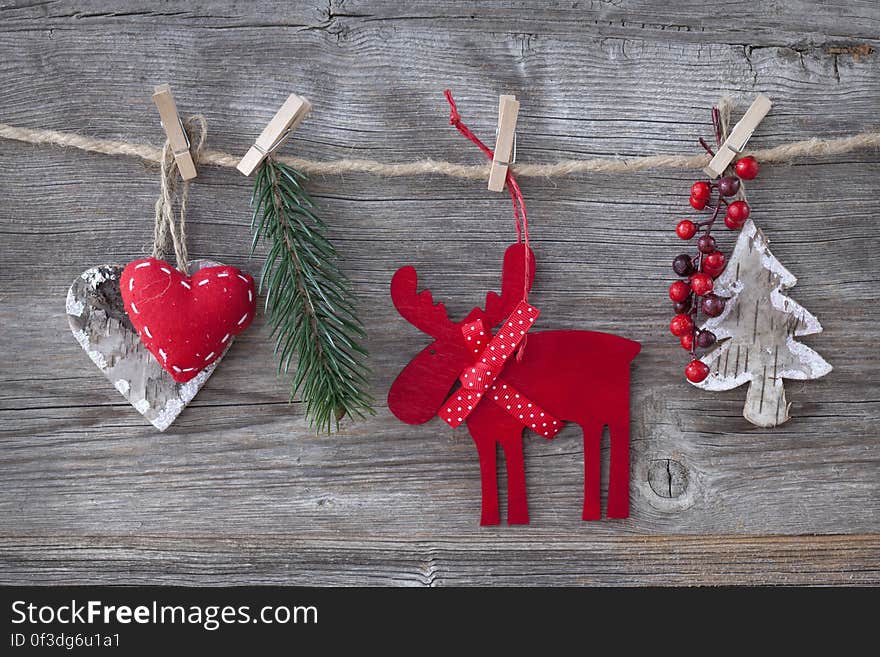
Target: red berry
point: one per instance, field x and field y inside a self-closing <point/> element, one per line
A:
<point x="698" y="203"/>
<point x="712" y="271"/>
<point x="701" y="284"/>
<point x="747" y="168"/>
<point x="712" y="305"/>
<point x="686" y="229"/>
<point x="682" y="306"/>
<point x="683" y="265"/>
<point x="706" y="244"/>
<point x="696" y="371"/>
<point x="732" y="225"/>
<point x="714" y="261"/>
<point x="705" y="339"/>
<point x="687" y="341"/>
<point x="713" y="264"/>
<point x="680" y="325"/>
<point x="737" y="212"/>
<point x="679" y="291"/>
<point x="700" y="190"/>
<point x="728" y="186"/>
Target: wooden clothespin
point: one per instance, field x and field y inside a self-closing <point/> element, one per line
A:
<point x="276" y="132"/>
<point x="174" y="131"/>
<point x="505" y="142"/>
<point x="738" y="138"/>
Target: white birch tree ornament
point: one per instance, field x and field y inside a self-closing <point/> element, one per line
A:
<point x="757" y="331"/>
<point x="748" y="334"/>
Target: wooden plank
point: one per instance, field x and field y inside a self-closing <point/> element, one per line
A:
<point x="454" y="561"/>
<point x="801" y="23"/>
<point x="88" y="470"/>
<point x="239" y="490"/>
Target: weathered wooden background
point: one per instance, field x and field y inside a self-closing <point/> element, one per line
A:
<point x="239" y="490"/>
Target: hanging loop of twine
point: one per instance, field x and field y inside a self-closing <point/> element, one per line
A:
<point x="725" y="109"/>
<point x="173" y="187"/>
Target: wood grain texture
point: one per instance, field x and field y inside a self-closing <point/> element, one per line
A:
<point x="238" y="490"/>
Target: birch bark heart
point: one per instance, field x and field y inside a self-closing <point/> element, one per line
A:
<point x="99" y="323"/>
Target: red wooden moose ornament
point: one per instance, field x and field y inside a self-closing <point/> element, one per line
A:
<point x="577" y="376"/>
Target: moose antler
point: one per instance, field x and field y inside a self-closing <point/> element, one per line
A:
<point x="418" y="308"/>
<point x="513" y="280"/>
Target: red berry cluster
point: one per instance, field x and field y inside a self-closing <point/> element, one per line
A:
<point x="695" y="294"/>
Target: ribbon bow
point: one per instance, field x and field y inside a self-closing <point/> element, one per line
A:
<point x="481" y="376"/>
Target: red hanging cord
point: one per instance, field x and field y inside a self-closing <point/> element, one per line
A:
<point x="519" y="204"/>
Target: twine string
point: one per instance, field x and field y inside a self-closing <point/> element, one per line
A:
<point x="781" y="154"/>
<point x="172" y="187"/>
<point x="725" y="109"/>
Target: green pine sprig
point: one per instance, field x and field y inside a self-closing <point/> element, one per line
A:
<point x="308" y="301"/>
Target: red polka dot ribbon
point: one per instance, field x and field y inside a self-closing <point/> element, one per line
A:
<point x="525" y="410"/>
<point x="482" y="375"/>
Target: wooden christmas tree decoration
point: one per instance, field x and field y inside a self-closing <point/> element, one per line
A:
<point x="758" y="328"/>
<point x="750" y="324"/>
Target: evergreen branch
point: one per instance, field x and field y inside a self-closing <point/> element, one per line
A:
<point x="308" y="301"/>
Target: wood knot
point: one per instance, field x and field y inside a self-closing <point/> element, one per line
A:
<point x="667" y="477"/>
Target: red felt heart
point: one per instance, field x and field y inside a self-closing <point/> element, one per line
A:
<point x="186" y="321"/>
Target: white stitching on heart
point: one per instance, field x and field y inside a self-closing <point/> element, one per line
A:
<point x="149" y="334"/>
